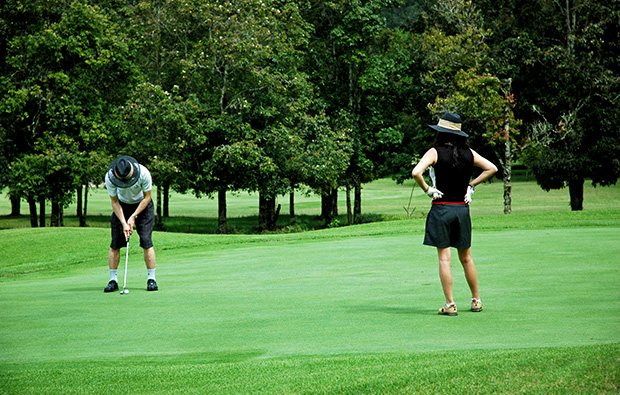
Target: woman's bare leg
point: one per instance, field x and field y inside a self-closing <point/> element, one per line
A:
<point x="470" y="271"/>
<point x="445" y="272"/>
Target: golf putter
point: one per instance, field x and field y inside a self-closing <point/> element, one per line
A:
<point x="126" y="291"/>
<point x="431" y="172"/>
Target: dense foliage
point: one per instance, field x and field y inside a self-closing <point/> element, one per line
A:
<point x="275" y="96"/>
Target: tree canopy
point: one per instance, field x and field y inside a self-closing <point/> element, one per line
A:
<point x="270" y="96"/>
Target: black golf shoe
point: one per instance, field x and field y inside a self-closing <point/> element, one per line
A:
<point x="111" y="287"/>
<point x="151" y="285"/>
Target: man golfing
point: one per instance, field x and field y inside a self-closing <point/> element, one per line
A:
<point x="448" y="223"/>
<point x="129" y="186"/>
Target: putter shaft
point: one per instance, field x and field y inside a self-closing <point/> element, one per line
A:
<point x="126" y="261"/>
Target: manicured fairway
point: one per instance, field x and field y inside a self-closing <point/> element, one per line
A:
<point x="334" y="311"/>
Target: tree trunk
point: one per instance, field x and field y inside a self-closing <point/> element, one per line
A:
<point x="166" y="199"/>
<point x="335" y="202"/>
<point x="42" y="213"/>
<point x="291" y="204"/>
<point x="276" y="215"/>
<point x="507" y="149"/>
<point x="571" y="22"/>
<point x="508" y="176"/>
<point x="55" y="217"/>
<point x="78" y="210"/>
<point x="267" y="213"/>
<point x="222" y="227"/>
<point x="507" y="192"/>
<point x="325" y="212"/>
<point x="32" y="206"/>
<point x="327" y="207"/>
<point x="78" y="195"/>
<point x="158" y="222"/>
<point x="15" y="206"/>
<point x="575" y="189"/>
<point x="357" y="205"/>
<point x="263" y="212"/>
<point x="85" y="211"/>
<point x="349" y="211"/>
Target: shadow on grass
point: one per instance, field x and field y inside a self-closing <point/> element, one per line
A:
<point x="201" y="356"/>
<point x="392" y="310"/>
<point x="87" y="289"/>
<point x="205" y="225"/>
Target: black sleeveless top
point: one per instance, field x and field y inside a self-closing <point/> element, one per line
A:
<point x="451" y="180"/>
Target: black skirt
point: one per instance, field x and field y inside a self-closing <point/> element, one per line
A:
<point x="448" y="225"/>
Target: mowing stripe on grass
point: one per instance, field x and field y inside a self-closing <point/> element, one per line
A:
<point x="378" y="294"/>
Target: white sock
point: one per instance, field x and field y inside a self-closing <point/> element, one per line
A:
<point x="114" y="275"/>
<point x="151" y="274"/>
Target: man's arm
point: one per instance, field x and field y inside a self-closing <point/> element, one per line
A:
<point x="118" y="210"/>
<point x="145" y="202"/>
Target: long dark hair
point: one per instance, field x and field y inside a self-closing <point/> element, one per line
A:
<point x="459" y="146"/>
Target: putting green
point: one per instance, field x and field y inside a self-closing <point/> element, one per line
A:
<point x="325" y="297"/>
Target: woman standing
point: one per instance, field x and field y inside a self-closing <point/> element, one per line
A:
<point x="448" y="223"/>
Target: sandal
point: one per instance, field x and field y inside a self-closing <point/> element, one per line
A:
<point x="476" y="305"/>
<point x="448" y="309"/>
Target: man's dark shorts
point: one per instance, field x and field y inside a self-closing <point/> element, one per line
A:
<point x="144" y="226"/>
<point x="448" y="225"/>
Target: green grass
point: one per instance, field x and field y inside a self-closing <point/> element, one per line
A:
<point x="381" y="200"/>
<point x="247" y="314"/>
<point x="574" y="370"/>
<point x="348" y="310"/>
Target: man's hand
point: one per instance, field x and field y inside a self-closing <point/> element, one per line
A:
<point x="434" y="193"/>
<point x="470" y="192"/>
<point x="128" y="227"/>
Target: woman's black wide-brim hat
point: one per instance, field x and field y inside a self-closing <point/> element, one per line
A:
<point x="450" y="123"/>
<point x="124" y="171"/>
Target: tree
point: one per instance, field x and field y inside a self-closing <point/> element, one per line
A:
<point x="346" y="64"/>
<point x="245" y="66"/>
<point x="553" y="145"/>
<point x="66" y="72"/>
<point x="51" y="174"/>
<point x="487" y="104"/>
<point x="573" y="138"/>
<point x="158" y="117"/>
<point x="94" y="164"/>
<point x="484" y="100"/>
<point x="563" y="56"/>
<point x="27" y="180"/>
<point x="15" y="20"/>
<point x="233" y="163"/>
<point x="408" y="97"/>
<point x="320" y="158"/>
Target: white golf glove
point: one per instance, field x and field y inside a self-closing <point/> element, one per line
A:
<point x="470" y="191"/>
<point x="434" y="193"/>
